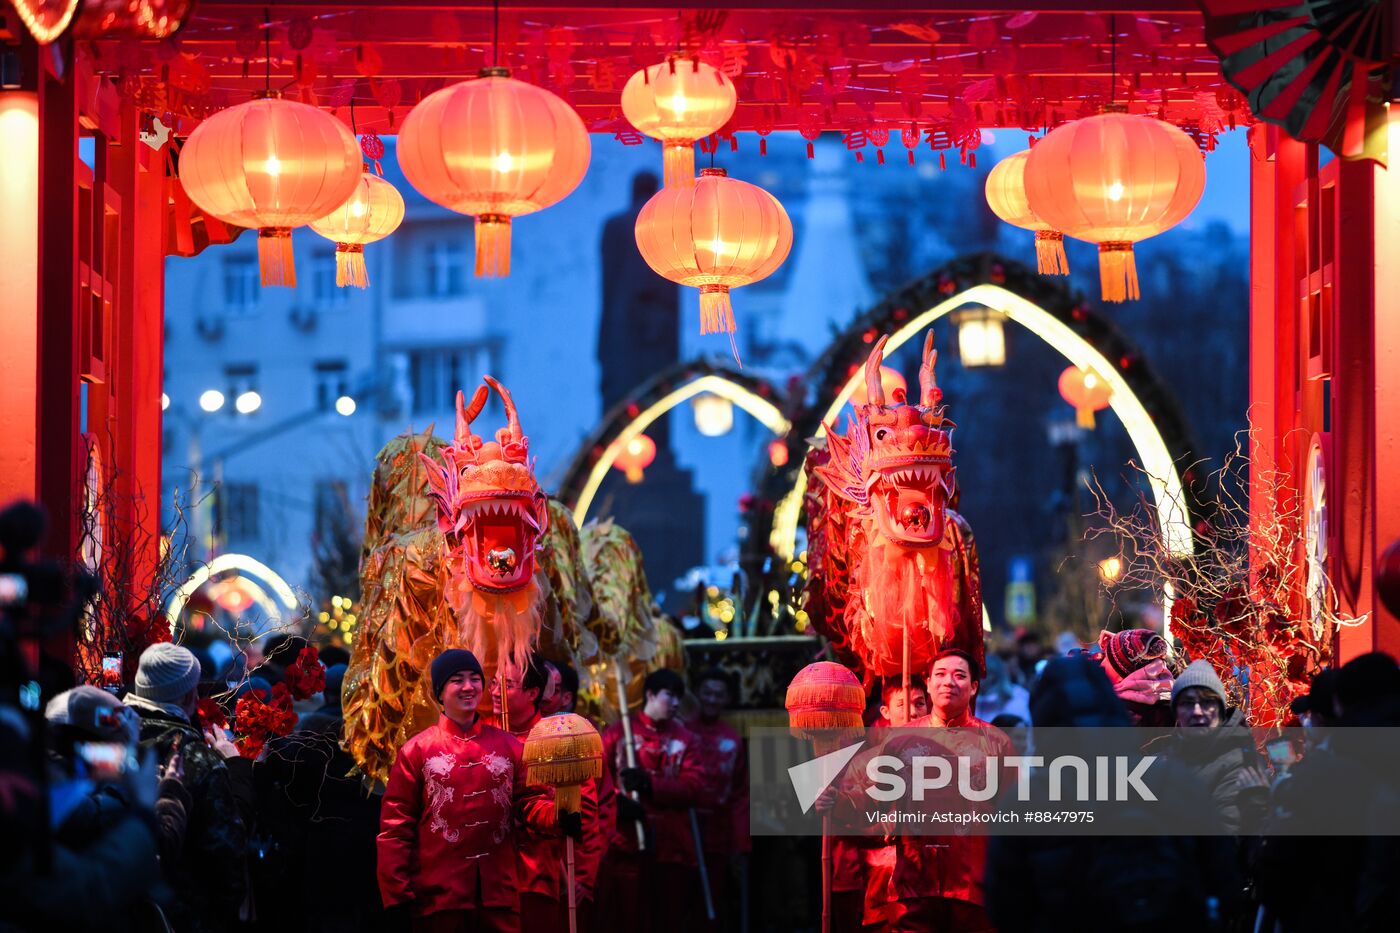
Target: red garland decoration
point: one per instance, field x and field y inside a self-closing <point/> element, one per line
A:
<point x="256" y="721"/>
<point x="306" y="676"/>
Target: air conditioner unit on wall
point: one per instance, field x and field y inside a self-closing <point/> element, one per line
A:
<point x="303" y="318"/>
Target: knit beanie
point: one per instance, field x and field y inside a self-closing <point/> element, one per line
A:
<point x="166" y="673"/>
<point x="452" y="661"/>
<point x="1199" y="674"/>
<point x="1131" y="650"/>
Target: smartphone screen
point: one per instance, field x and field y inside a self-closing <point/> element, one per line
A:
<point x="107" y="761"/>
<point x="112" y="673"/>
<point x="1281" y="752"/>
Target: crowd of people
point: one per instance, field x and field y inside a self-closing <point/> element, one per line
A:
<point x="160" y="822"/>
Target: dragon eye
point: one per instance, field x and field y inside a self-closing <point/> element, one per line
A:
<point x="881" y="433"/>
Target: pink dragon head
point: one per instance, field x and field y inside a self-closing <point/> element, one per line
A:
<point x="894" y="462"/>
<point x="490" y="507"/>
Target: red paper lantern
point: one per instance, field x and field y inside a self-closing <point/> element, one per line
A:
<point x="271" y="165"/>
<point x="1115" y="179"/>
<point x="825" y="700"/>
<point x="373" y="212"/>
<point x="1006" y="196"/>
<point x="636" y="455"/>
<point x="493" y="148"/>
<point x="679" y="101"/>
<point x="719" y="234"/>
<point x="1087" y="391"/>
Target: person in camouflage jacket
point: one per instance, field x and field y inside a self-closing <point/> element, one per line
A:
<point x="210" y="877"/>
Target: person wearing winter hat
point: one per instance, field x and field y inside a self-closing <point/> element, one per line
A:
<point x="210" y="879"/>
<point x="1216" y="742"/>
<point x="447" y="855"/>
<point x="1140" y="666"/>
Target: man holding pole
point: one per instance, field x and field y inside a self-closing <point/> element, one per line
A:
<point x="642" y="890"/>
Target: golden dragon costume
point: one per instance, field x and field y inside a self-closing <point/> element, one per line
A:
<point x="887" y="553"/>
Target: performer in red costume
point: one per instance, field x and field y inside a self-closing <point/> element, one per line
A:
<point x="724" y="825"/>
<point x="938" y="879"/>
<point x="659" y="888"/>
<point x="447" y="851"/>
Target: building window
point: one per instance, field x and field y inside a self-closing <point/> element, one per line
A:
<point x="241" y="284"/>
<point x="332" y="381"/>
<point x="326" y="292"/>
<point x="240" y="378"/>
<point x="446" y="268"/>
<point x="237" y="512"/>
<point x="436" y="373"/>
<point x="332" y="504"/>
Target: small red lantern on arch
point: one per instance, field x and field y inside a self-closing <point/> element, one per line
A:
<point x="1087" y="391"/>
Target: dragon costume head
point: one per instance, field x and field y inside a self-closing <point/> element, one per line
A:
<point x="490" y="506"/>
<point x="893" y="566"/>
<point x="894" y="464"/>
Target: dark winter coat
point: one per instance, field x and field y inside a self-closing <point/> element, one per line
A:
<point x="1217" y="757"/>
<point x="210" y="876"/>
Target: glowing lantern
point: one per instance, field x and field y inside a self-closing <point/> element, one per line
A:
<point x="272" y="165"/>
<point x="717" y="235"/>
<point x="636" y="455"/>
<point x="714" y="416"/>
<point x="1087" y="391"/>
<point x="493" y="148"/>
<point x="891" y="381"/>
<point x="1006" y="196"/>
<point x="778" y="453"/>
<point x="981" y="337"/>
<point x="1115" y="179"/>
<point x="678" y="102"/>
<point x="824" y="702"/>
<point x="373" y="212"/>
<point x="563" y="752"/>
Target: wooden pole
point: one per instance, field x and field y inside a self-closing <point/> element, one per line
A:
<point x="627" y="744"/>
<point x="569" y="880"/>
<point x="826" y="873"/>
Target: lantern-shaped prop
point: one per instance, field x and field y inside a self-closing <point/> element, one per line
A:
<point x="1087" y="391"/>
<point x="679" y="101"/>
<point x="564" y="752"/>
<point x="893" y="386"/>
<point x="373" y="212"/>
<point x="1115" y="179"/>
<point x="636" y="455"/>
<point x="981" y="337"/>
<point x="715" y="236"/>
<point x="714" y="414"/>
<point x="493" y="148"/>
<point x="1006" y="196"/>
<point x="271" y="165"/>
<point x="825" y="703"/>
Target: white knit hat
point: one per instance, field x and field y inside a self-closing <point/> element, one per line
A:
<point x="166" y="673"/>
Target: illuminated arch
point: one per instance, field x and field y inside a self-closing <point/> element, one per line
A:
<point x="261" y="578"/>
<point x="653" y="399"/>
<point x="1050" y="311"/>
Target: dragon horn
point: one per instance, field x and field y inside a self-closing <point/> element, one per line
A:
<point x="511" y="416"/>
<point x="874" y="390"/>
<point x="466" y="415"/>
<point x="928" y="386"/>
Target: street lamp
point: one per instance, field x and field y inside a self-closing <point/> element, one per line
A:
<point x="164" y="402"/>
<point x="211" y="400"/>
<point x="248" y="402"/>
<point x="981" y="338"/>
<point x="714" y="416"/>
<point x="345" y="405"/>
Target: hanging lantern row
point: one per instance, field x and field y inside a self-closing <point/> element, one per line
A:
<point x="271" y="165"/>
<point x="679" y="101"/>
<point x="719" y="234"/>
<point x="1114" y="179"/>
<point x="494" y="148"/>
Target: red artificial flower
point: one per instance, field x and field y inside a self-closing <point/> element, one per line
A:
<point x="210" y="713"/>
<point x="306" y="676"/>
<point x="256" y="720"/>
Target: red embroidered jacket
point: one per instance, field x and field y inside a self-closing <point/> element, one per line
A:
<point x="446" y="827"/>
<point x="724" y="825"/>
<point x="667" y="752"/>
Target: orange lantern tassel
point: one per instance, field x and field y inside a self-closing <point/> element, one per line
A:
<point x="1084" y="418"/>
<point x="276" y="262"/>
<point x="492" y="246"/>
<point x="350" y="265"/>
<point x="1050" y="258"/>
<point x="1118" y="272"/>
<point x="678" y="157"/>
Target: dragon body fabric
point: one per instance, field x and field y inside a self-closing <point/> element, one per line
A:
<point x="463" y="549"/>
<point x="888" y="555"/>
